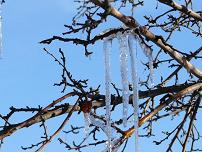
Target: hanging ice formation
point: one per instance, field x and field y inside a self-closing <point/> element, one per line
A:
<point x="96" y="122"/>
<point x="125" y="41"/>
<point x="122" y="39"/>
<point x="87" y="124"/>
<point x="86" y="108"/>
<point x="148" y="52"/>
<point x="107" y="50"/>
<point x="1" y="35"/>
<point x="134" y="75"/>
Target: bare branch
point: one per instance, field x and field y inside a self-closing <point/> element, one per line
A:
<point x="182" y="9"/>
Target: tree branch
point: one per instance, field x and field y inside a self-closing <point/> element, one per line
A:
<point x="60" y="128"/>
<point x="193" y="117"/>
<point x="8" y="130"/>
<point x="182" y="9"/>
<point x="167" y="102"/>
<point x="98" y="101"/>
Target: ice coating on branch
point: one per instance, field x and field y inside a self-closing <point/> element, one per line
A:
<point x="103" y="126"/>
<point x="87" y="124"/>
<point x="99" y="123"/>
<point x="1" y="35"/>
<point x="134" y="75"/>
<point x="107" y="46"/>
<point x="122" y="39"/>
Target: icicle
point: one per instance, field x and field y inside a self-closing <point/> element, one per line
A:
<point x="1" y="35"/>
<point x="86" y="109"/>
<point x="107" y="50"/>
<point x="151" y="70"/>
<point x="148" y="52"/>
<point x="87" y="125"/>
<point x="134" y="75"/>
<point x="124" y="75"/>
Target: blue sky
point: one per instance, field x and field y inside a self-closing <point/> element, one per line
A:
<point x="27" y="74"/>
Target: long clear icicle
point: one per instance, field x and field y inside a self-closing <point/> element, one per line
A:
<point x="1" y="35"/>
<point x="107" y="51"/>
<point x="87" y="125"/>
<point x="124" y="75"/>
<point x="134" y="75"/>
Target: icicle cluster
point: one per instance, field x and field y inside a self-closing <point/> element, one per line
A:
<point x="134" y="75"/>
<point x="122" y="39"/>
<point x="125" y="41"/>
<point x="86" y="109"/>
<point x="107" y="50"/>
